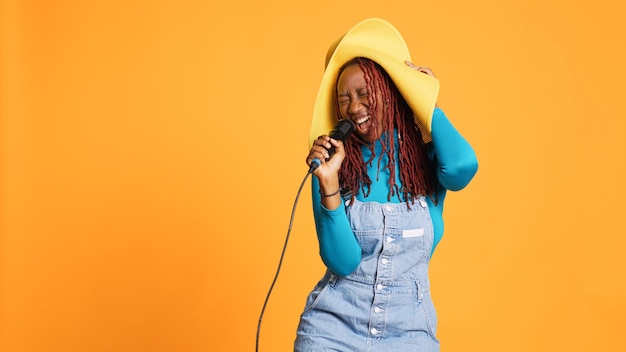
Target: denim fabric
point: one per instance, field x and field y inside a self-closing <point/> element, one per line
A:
<point x="385" y="304"/>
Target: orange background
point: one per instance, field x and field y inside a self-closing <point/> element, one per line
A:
<point x="151" y="152"/>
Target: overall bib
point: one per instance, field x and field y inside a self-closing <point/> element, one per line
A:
<point x="385" y="304"/>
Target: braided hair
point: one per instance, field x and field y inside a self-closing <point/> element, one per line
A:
<point x="417" y="169"/>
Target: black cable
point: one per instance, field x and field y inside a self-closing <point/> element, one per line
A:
<point x="282" y="256"/>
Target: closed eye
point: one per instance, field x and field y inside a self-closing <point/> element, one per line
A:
<point x="360" y="94"/>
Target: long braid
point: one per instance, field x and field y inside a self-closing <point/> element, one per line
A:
<point x="417" y="172"/>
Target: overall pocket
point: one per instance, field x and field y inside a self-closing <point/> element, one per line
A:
<point x="426" y="311"/>
<point x="319" y="291"/>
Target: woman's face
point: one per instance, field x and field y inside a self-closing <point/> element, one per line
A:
<point x="353" y="99"/>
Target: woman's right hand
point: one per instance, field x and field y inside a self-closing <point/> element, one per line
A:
<point x="328" y="171"/>
<point x="319" y="151"/>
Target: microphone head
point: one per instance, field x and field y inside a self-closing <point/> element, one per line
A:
<point x="342" y="130"/>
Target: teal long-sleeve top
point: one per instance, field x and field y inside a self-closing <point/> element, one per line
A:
<point x="456" y="165"/>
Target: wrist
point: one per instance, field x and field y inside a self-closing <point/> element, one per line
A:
<point x="329" y="192"/>
<point x="325" y="195"/>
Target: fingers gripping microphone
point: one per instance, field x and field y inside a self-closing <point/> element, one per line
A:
<point x="341" y="132"/>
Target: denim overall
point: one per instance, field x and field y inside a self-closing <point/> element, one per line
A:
<point x="385" y="304"/>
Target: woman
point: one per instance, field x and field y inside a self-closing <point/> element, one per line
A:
<point x="378" y="204"/>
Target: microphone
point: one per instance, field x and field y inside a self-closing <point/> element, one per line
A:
<point x="341" y="132"/>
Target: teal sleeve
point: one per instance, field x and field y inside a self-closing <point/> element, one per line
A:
<point x="457" y="163"/>
<point x="339" y="248"/>
<point x="456" y="166"/>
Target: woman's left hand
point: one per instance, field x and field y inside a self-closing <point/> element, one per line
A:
<point x="422" y="69"/>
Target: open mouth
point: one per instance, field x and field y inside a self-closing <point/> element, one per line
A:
<point x="363" y="123"/>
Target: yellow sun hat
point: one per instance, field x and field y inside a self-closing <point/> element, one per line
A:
<point x="379" y="41"/>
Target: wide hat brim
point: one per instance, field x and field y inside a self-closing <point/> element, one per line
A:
<point x="379" y="41"/>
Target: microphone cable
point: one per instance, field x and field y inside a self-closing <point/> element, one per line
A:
<point x="282" y="255"/>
